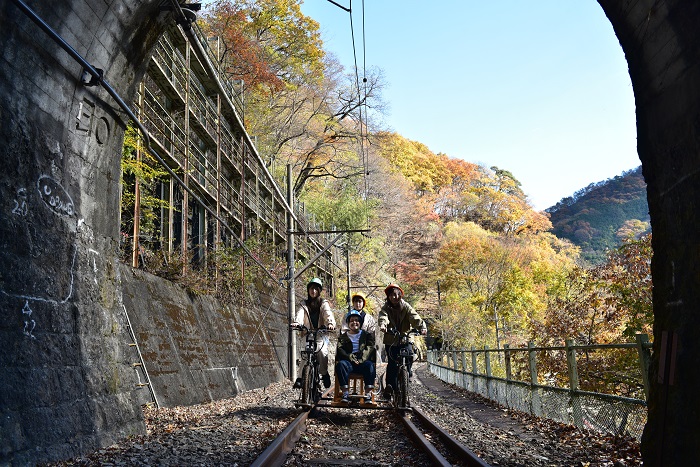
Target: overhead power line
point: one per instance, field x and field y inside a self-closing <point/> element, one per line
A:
<point x="362" y="98"/>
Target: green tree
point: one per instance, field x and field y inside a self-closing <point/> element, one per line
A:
<point x="140" y="168"/>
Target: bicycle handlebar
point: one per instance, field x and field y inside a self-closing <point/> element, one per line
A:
<point x="301" y="327"/>
<point x="396" y="332"/>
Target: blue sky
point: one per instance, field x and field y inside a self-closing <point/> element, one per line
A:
<point x="538" y="87"/>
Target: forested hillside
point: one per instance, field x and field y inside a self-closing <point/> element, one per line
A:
<point x="601" y="216"/>
<point x="435" y="222"/>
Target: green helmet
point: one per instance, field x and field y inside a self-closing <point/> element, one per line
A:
<point x="315" y="281"/>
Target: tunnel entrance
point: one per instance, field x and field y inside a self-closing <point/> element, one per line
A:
<point x="62" y="140"/>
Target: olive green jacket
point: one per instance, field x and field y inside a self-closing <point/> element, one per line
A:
<point x="402" y="318"/>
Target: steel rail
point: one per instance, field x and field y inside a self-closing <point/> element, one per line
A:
<point x="455" y="446"/>
<point x="276" y="453"/>
<point x="426" y="446"/>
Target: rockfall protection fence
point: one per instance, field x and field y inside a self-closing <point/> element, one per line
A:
<point x="497" y="379"/>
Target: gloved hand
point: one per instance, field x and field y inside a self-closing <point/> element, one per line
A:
<point x="354" y="359"/>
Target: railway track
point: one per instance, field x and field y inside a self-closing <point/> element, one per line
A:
<point x="350" y="436"/>
<point x="456" y="450"/>
<point x="236" y="431"/>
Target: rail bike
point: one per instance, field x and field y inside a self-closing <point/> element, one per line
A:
<point x="312" y="395"/>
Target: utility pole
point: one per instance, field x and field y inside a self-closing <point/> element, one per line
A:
<point x="347" y="268"/>
<point x="292" y="348"/>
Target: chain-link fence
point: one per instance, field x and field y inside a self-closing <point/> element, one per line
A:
<point x="502" y="381"/>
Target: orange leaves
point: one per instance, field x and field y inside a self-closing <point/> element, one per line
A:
<point x="266" y="43"/>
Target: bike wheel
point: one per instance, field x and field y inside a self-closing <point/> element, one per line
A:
<point x="402" y="381"/>
<point x="307" y="385"/>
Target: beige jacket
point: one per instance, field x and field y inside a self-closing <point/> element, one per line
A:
<point x="325" y="318"/>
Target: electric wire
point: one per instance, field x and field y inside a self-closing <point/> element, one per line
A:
<point x="365" y="156"/>
<point x="362" y="101"/>
<point x="362" y="104"/>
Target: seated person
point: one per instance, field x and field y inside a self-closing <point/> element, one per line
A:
<point x="369" y="324"/>
<point x="355" y="353"/>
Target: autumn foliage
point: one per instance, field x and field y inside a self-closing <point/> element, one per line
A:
<point x="432" y="222"/>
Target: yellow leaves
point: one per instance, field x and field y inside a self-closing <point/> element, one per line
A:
<point x="426" y="170"/>
<point x="481" y="272"/>
<point x="267" y="42"/>
<point x="464" y="230"/>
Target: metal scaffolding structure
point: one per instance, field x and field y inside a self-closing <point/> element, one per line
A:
<point x="193" y="115"/>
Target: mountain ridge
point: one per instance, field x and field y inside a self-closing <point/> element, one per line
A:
<point x="598" y="217"/>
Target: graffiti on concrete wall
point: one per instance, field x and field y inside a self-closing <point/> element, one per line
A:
<point x="29" y="323"/>
<point x="58" y="201"/>
<point x="55" y="196"/>
<point x="20" y="203"/>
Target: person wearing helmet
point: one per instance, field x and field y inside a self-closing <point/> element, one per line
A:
<point x="396" y="313"/>
<point x="315" y="312"/>
<point x="356" y="353"/>
<point x="358" y="304"/>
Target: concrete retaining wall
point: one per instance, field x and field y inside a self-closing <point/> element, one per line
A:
<point x="197" y="349"/>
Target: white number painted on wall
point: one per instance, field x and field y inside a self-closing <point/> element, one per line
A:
<point x="29" y="323"/>
<point x="21" y="207"/>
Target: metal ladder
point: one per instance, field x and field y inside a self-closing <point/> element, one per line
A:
<point x="140" y="364"/>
